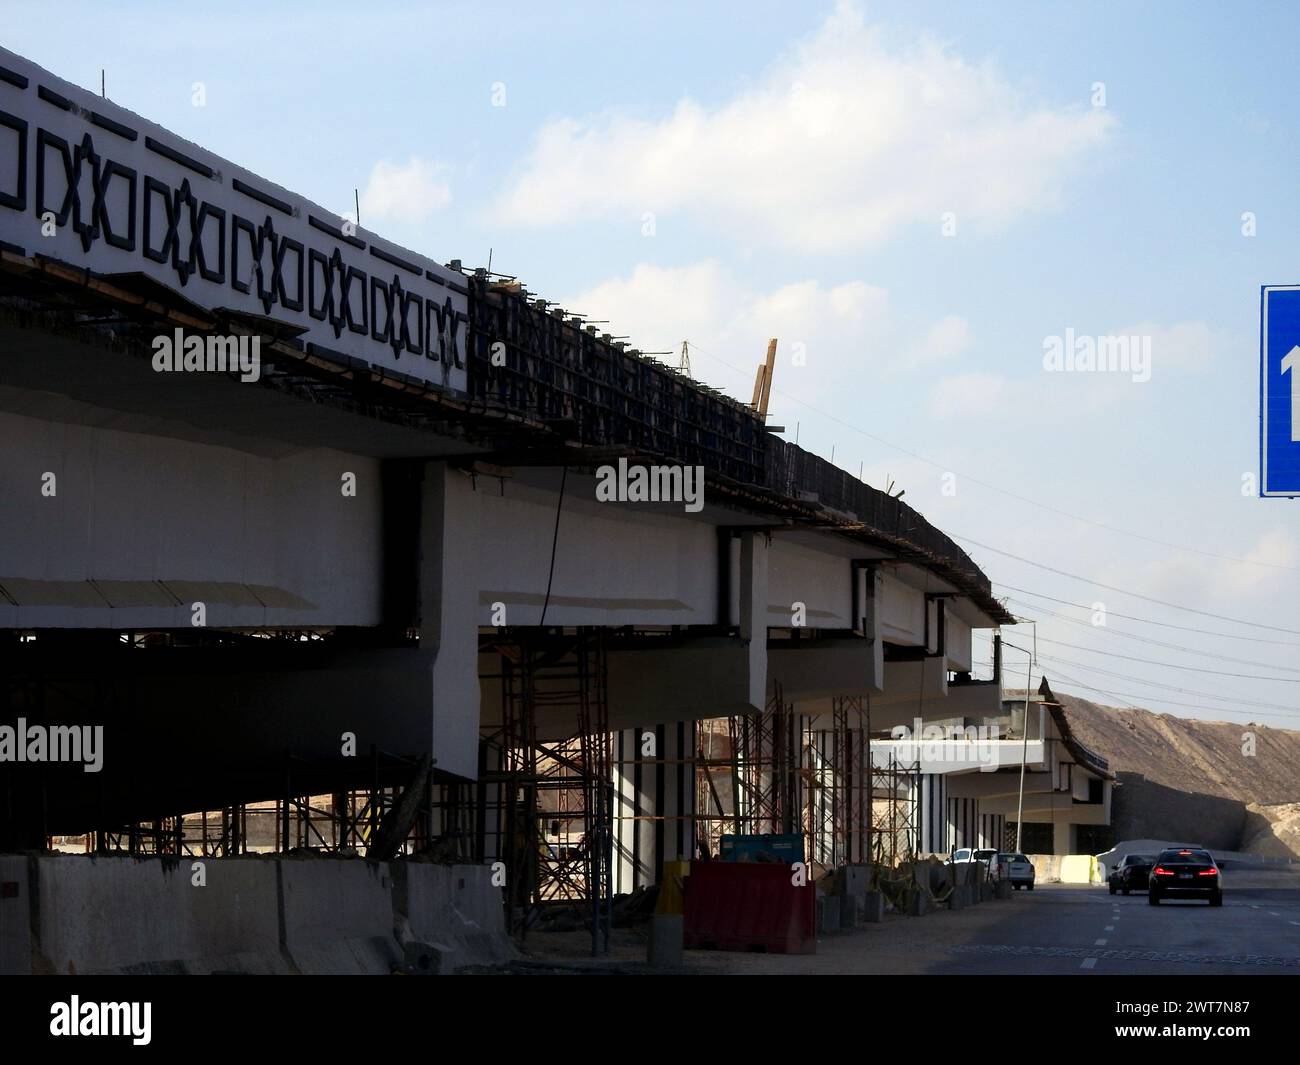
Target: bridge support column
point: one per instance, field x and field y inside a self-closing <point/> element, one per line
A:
<point x="654" y="801"/>
<point x="931" y="813"/>
<point x="873" y="600"/>
<point x="449" y="589"/>
<point x="754" y="552"/>
<point x="993" y="831"/>
<point x="963" y="823"/>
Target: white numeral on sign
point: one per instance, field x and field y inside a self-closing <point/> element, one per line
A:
<point x="1291" y="365"/>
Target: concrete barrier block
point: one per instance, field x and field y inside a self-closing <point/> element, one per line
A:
<point x="872" y="907"/>
<point x="338" y="916"/>
<point x="918" y="903"/>
<point x="15" y="919"/>
<point x="453" y="909"/>
<point x="986" y="891"/>
<point x="849" y="910"/>
<point x="157" y="915"/>
<point x="664" y="949"/>
<point x="1003" y="889"/>
<point x="117" y="914"/>
<point x="856" y="879"/>
<point x="828" y="914"/>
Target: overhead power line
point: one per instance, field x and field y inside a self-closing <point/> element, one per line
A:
<point x="1174" y="665"/>
<point x="1168" y="687"/>
<point x="1121" y="697"/>
<point x="1126" y="634"/>
<point x="1124" y="591"/>
<point x="1151" y="621"/>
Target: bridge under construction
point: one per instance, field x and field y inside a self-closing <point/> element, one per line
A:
<point x="372" y="600"/>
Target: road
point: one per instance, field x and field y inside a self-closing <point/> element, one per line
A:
<point x="1055" y="929"/>
<point x="1064" y="929"/>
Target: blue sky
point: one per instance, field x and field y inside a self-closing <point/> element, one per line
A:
<point x="798" y="162"/>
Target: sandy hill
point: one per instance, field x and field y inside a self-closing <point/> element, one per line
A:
<point x="1181" y="778"/>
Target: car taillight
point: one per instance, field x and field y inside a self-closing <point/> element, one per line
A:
<point x="1208" y="872"/>
<point x="1161" y="871"/>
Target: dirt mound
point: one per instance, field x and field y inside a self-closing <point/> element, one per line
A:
<point x="1228" y="785"/>
<point x="1272" y="831"/>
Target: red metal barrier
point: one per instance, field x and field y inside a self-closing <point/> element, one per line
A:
<point x="749" y="906"/>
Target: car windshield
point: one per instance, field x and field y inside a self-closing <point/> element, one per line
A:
<point x="984" y="856"/>
<point x="1186" y="857"/>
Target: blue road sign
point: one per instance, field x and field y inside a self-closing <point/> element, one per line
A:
<point x="1279" y="390"/>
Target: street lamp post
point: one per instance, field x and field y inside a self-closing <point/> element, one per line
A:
<point x="1024" y="741"/>
<point x="1024" y="753"/>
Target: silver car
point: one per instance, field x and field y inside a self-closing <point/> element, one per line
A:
<point x="1016" y="868"/>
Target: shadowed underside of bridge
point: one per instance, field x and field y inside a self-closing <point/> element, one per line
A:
<point x="379" y="614"/>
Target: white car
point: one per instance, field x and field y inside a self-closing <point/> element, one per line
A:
<point x="978" y="854"/>
<point x="1016" y="868"/>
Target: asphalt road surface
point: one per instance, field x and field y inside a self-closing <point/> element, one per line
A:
<point x="1056" y="928"/>
<point x="1059" y="928"/>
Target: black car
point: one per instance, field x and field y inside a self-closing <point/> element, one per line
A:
<point x="1131" y="874"/>
<point x="1185" y="873"/>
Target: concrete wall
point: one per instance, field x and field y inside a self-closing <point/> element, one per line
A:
<point x="252" y="915"/>
<point x="1144" y="809"/>
<point x="158" y="523"/>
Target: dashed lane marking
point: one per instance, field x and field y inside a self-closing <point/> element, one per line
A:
<point x="1088" y="963"/>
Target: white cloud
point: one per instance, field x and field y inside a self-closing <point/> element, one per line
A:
<point x="1181" y="346"/>
<point x="1040" y="397"/>
<point x="821" y="328"/>
<point x="984" y="396"/>
<point x="1182" y="577"/>
<point x="944" y="340"/>
<point x="840" y="144"/>
<point x="405" y="192"/>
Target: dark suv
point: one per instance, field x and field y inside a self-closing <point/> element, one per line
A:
<point x="1185" y="873"/>
<point x="1131" y="874"/>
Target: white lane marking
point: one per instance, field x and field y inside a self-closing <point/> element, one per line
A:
<point x="1099" y="943"/>
<point x="1272" y="914"/>
<point x="1297" y="923"/>
<point x="1254" y="906"/>
<point x="1088" y="963"/>
<point x="1109" y="928"/>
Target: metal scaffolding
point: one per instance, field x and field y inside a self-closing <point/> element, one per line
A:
<point x="894" y="821"/>
<point x="836" y="795"/>
<point x="766" y="777"/>
<point x="545" y="805"/>
<point x="780" y="772"/>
